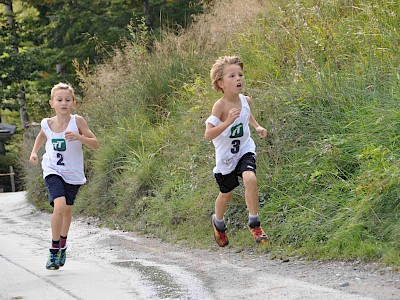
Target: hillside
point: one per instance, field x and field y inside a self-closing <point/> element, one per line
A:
<point x="324" y="79"/>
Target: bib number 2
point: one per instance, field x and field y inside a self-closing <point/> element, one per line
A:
<point x="60" y="161"/>
<point x="235" y="146"/>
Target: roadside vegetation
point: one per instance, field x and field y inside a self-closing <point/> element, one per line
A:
<point x="324" y="79"/>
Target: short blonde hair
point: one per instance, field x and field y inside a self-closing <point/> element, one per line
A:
<point x="62" y="86"/>
<point x="217" y="69"/>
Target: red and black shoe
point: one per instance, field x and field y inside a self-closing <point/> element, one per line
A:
<point x="220" y="236"/>
<point x="257" y="232"/>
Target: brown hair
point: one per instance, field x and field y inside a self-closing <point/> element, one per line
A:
<point x="217" y="69"/>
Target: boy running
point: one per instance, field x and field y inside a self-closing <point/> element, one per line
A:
<point x="228" y="129"/>
<point x="62" y="164"/>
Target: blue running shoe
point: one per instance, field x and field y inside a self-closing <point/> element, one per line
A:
<point x="53" y="262"/>
<point x="63" y="255"/>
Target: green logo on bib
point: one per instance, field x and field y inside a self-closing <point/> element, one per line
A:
<point x="236" y="131"/>
<point x="59" y="144"/>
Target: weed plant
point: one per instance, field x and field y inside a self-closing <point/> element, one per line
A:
<point x="324" y="79"/>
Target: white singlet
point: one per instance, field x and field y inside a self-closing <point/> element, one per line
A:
<point x="234" y="141"/>
<point x="62" y="157"/>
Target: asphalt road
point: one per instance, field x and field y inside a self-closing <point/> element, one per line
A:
<point x="106" y="264"/>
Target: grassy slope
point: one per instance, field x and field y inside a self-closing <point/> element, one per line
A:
<point x="325" y="83"/>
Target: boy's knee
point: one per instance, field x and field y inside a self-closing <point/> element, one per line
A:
<point x="225" y="197"/>
<point x="59" y="209"/>
<point x="249" y="178"/>
<point x="59" y="205"/>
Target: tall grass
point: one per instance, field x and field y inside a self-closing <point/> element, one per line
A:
<point x="324" y="77"/>
<point x="332" y="93"/>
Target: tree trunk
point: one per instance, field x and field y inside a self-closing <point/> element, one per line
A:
<point x="22" y="111"/>
<point x="9" y="13"/>
<point x="59" y="68"/>
<point x="147" y="15"/>
<point x="148" y="21"/>
<point x="2" y="148"/>
<point x="21" y="96"/>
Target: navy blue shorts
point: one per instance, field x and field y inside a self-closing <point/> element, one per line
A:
<point x="230" y="181"/>
<point x="57" y="187"/>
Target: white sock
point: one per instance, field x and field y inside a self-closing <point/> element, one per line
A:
<point x="220" y="224"/>
<point x="253" y="218"/>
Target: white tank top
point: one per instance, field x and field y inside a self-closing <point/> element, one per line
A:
<point x="234" y="141"/>
<point x="62" y="157"/>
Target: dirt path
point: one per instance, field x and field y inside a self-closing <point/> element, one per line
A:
<point x="103" y="262"/>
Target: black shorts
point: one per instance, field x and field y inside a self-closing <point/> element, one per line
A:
<point x="230" y="181"/>
<point x="57" y="188"/>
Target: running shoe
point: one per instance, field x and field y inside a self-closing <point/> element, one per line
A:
<point x="257" y="232"/>
<point x="63" y="255"/>
<point x="53" y="262"/>
<point x="220" y="236"/>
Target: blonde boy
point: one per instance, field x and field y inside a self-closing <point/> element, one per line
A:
<point x="62" y="164"/>
<point x="228" y="128"/>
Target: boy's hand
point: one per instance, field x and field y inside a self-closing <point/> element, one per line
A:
<point x="262" y="131"/>
<point x="234" y="113"/>
<point x="72" y="136"/>
<point x="33" y="159"/>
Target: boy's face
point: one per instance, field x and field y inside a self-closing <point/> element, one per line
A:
<point x="63" y="102"/>
<point x="232" y="79"/>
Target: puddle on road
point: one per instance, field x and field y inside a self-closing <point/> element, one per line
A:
<point x="164" y="283"/>
<point x="8" y="220"/>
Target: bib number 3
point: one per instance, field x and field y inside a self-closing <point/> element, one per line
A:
<point x="235" y="146"/>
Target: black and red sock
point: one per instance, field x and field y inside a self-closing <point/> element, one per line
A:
<point x="63" y="241"/>
<point x="55" y="244"/>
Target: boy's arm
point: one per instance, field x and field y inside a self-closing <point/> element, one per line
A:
<point x="253" y="122"/>
<point x="85" y="135"/>
<point x="261" y="130"/>
<point x="39" y="142"/>
<point x="213" y="131"/>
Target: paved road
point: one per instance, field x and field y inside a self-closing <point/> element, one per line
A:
<point x="105" y="264"/>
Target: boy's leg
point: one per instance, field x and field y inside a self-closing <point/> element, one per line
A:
<point x="251" y="191"/>
<point x="57" y="218"/>
<point x="64" y="233"/>
<point x="221" y="203"/>
<point x="217" y="219"/>
<point x="251" y="195"/>
<point x="53" y="262"/>
<point x="66" y="220"/>
<point x="71" y="191"/>
<point x="226" y="185"/>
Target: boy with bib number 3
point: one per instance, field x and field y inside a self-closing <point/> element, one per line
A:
<point x="228" y="128"/>
<point x="62" y="164"/>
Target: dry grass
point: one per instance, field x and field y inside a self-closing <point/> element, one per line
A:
<point x="210" y="32"/>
